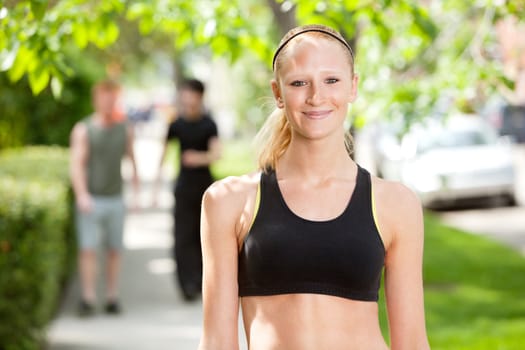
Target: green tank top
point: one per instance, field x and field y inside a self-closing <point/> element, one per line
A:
<point x="107" y="146"/>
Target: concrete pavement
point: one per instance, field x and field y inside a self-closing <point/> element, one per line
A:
<point x="154" y="317"/>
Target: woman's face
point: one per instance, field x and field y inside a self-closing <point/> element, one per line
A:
<point x="315" y="85"/>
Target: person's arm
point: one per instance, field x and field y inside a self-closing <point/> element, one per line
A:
<point x="79" y="149"/>
<point x="193" y="158"/>
<point x="170" y="134"/>
<point x="402" y="223"/>
<point x="219" y="223"/>
<point x="130" y="140"/>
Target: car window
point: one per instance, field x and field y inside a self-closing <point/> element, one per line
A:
<point x="444" y="138"/>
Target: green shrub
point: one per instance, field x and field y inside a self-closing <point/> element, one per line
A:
<point x="35" y="242"/>
<point x="27" y="119"/>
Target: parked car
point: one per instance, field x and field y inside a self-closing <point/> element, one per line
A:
<point x="460" y="158"/>
<point x="508" y="119"/>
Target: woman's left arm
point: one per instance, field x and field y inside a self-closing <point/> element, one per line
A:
<point x="403" y="267"/>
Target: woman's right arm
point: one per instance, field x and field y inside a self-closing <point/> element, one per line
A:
<point x="219" y="225"/>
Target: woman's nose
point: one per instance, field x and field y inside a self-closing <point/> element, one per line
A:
<point x="315" y="94"/>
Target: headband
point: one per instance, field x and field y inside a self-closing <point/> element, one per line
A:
<point x="309" y="28"/>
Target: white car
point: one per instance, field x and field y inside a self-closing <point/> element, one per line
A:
<point x="460" y="158"/>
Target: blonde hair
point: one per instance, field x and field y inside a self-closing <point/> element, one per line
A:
<point x="275" y="135"/>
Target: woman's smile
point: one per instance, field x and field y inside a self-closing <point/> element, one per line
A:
<point x="317" y="114"/>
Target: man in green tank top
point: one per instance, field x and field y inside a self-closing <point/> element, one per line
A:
<point x="98" y="144"/>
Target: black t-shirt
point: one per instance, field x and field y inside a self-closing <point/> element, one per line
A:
<point x="193" y="135"/>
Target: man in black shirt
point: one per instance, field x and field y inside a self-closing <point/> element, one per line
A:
<point x="199" y="147"/>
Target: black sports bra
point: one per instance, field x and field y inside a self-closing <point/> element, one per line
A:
<point x="284" y="253"/>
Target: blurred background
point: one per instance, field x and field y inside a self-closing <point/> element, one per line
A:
<point x="441" y="108"/>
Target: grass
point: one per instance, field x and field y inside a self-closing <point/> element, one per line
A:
<point x="474" y="291"/>
<point x="237" y="158"/>
<point x="474" y="287"/>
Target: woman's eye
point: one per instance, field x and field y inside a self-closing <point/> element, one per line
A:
<point x="332" y="80"/>
<point x="298" y="83"/>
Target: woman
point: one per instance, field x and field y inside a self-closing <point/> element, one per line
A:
<point x="301" y="245"/>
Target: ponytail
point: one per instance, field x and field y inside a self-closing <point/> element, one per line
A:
<point x="272" y="140"/>
<point x="349" y="143"/>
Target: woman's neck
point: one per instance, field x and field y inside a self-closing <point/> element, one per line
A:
<point x="315" y="159"/>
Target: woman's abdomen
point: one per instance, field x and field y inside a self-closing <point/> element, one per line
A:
<point x="311" y="321"/>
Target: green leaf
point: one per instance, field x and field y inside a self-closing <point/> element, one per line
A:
<point x="80" y="34"/>
<point x="38" y="7"/>
<point x="7" y="58"/>
<point x="351" y="5"/>
<point x="19" y="67"/>
<point x="38" y="79"/>
<point x="182" y="39"/>
<point x="424" y="23"/>
<point x="146" y="25"/>
<point x="138" y="10"/>
<point x="56" y="86"/>
<point x="112" y="32"/>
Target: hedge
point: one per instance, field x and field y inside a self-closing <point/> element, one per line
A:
<point x="36" y="242"/>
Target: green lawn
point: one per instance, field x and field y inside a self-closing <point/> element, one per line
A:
<point x="474" y="291"/>
<point x="474" y="287"/>
<point x="237" y="159"/>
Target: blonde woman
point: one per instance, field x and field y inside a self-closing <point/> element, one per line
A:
<point x="302" y="244"/>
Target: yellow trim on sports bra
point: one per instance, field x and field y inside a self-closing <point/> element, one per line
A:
<point x="374" y="214"/>
<point x="256" y="206"/>
<point x="255" y="211"/>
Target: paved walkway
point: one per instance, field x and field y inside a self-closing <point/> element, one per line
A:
<point x="155" y="316"/>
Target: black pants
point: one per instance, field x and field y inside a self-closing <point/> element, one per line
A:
<point x="187" y="245"/>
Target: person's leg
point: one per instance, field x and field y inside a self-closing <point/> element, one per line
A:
<point x="87" y="261"/>
<point x="187" y="251"/>
<point x="87" y="236"/>
<point x="112" y="274"/>
<point x="115" y="230"/>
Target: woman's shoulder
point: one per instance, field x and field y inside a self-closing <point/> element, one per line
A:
<point x="233" y="188"/>
<point x="398" y="208"/>
<point x="229" y="202"/>
<point x="394" y="194"/>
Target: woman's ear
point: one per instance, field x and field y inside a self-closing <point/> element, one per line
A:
<point x="277" y="94"/>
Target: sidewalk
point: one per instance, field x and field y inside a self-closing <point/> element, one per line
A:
<point x="154" y="317"/>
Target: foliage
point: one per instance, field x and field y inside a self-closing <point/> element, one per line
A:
<point x="36" y="32"/>
<point x="43" y="119"/>
<point x="411" y="55"/>
<point x="36" y="243"/>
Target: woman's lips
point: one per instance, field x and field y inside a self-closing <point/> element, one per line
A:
<point x="316" y="114"/>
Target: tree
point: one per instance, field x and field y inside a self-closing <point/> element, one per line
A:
<point x="408" y="58"/>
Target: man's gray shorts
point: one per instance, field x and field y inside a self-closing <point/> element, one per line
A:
<point x="106" y="221"/>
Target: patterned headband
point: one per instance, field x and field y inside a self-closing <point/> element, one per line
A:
<point x="310" y="28"/>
